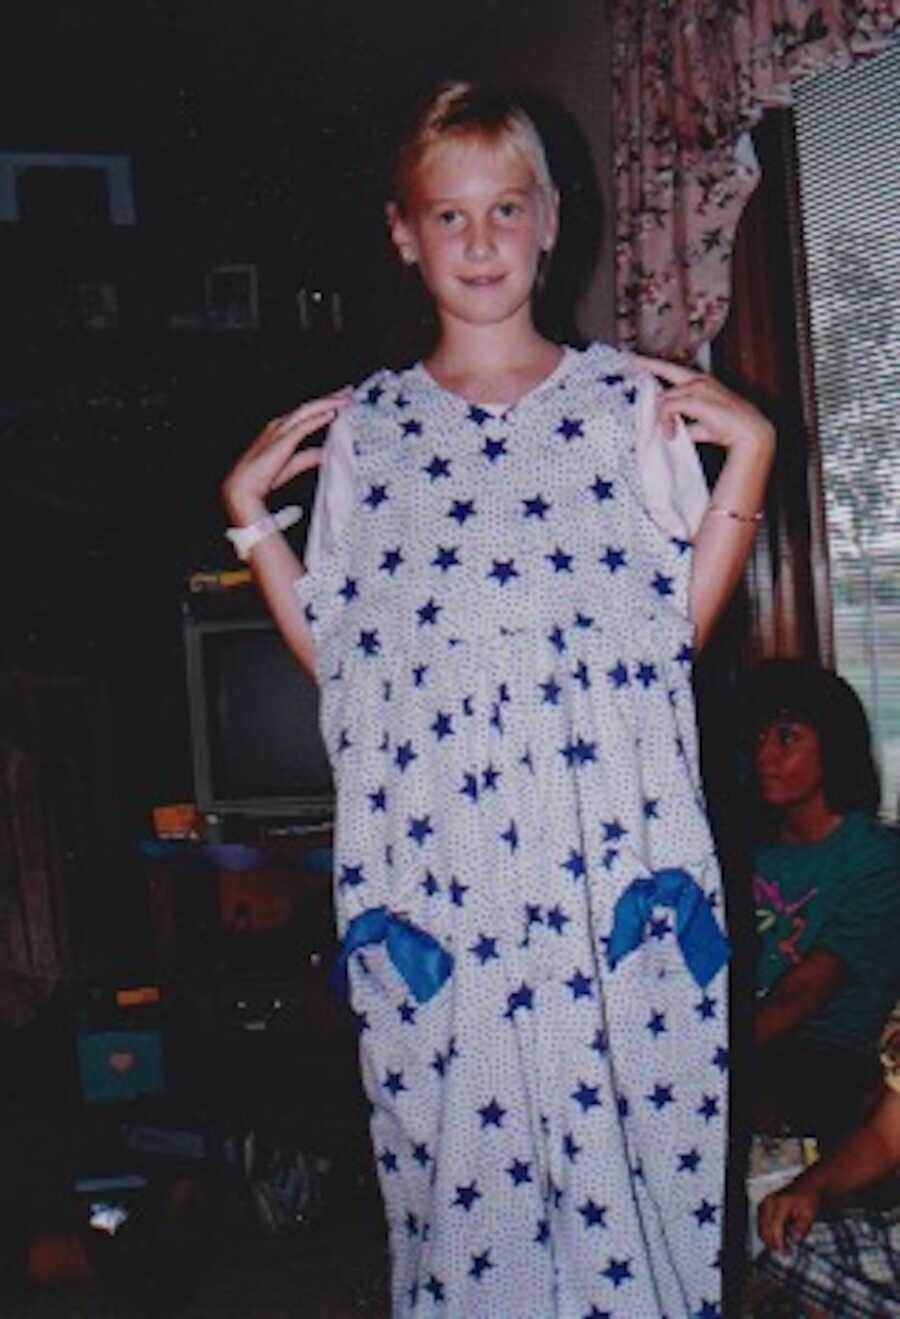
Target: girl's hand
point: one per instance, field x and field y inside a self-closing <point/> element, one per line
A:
<point x="717" y="415"/>
<point x="786" y="1216"/>
<point x="272" y="459"/>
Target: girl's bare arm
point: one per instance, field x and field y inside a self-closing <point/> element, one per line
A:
<point x="727" y="530"/>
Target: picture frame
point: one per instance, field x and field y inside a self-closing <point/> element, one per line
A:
<point x="98" y="304"/>
<point x="115" y="171"/>
<point x="232" y="297"/>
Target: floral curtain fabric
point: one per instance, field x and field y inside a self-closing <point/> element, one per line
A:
<point x="690" y="79"/>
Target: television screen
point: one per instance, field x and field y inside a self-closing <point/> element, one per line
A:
<point x="255" y="734"/>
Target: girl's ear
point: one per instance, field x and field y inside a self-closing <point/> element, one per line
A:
<point x="402" y="235"/>
<point x="550" y="226"/>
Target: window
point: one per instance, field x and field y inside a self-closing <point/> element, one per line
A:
<point x="848" y="127"/>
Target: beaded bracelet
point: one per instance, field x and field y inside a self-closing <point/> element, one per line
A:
<point x="731" y="513"/>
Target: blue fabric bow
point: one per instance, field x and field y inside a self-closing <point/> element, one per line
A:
<point x="703" y="946"/>
<point x="422" y="962"/>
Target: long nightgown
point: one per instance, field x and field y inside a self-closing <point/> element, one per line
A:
<point x="525" y="879"/>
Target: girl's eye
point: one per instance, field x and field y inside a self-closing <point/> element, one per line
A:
<point x="789" y="734"/>
<point x="447" y="217"/>
<point x="786" y="734"/>
<point x="509" y="210"/>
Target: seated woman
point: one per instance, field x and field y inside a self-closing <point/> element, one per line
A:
<point x="848" y="1261"/>
<point x="827" y="896"/>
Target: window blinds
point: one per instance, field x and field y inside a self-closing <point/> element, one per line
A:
<point x="848" y="131"/>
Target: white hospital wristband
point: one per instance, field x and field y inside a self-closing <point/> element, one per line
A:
<point x="245" y="538"/>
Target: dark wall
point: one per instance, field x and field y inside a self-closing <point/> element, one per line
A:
<point x="115" y="438"/>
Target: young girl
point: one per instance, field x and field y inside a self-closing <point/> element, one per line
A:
<point x="525" y="882"/>
<point x="827" y="901"/>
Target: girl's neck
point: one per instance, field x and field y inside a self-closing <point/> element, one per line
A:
<point x="492" y="363"/>
<point x="808" y="823"/>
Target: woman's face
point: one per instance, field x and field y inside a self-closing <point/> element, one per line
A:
<point x="788" y="760"/>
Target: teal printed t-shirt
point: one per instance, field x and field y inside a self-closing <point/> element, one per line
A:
<point x="841" y="894"/>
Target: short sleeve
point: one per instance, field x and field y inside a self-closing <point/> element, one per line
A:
<point x="671" y="474"/>
<point x="334" y="494"/>
<point x="862" y="928"/>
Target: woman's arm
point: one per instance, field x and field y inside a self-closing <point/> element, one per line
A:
<point x="271" y="461"/>
<point x="864" y="1157"/>
<point x="729" y="524"/>
<point x="800" y="994"/>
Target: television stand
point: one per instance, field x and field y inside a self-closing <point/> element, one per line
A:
<point x="243" y="958"/>
<point x="275" y="833"/>
<point x="268" y="829"/>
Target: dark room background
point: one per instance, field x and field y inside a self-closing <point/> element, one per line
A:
<point x="191" y="242"/>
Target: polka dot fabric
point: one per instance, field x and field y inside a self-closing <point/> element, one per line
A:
<point x="505" y="666"/>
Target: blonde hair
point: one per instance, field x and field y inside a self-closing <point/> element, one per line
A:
<point x="458" y="114"/>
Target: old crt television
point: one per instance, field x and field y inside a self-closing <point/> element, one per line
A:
<point x="254" y="715"/>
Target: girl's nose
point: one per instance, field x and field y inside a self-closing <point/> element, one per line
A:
<point x="766" y="747"/>
<point x="479" y="239"/>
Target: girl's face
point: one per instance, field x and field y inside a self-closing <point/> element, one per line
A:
<point x="476" y="223"/>
<point x="788" y="760"/>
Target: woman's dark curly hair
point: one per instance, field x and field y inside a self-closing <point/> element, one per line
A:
<point x="801" y="690"/>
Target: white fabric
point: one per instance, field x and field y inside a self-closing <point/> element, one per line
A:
<point x="334" y="494"/>
<point x="671" y="473"/>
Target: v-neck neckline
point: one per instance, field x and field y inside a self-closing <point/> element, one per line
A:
<point x="499" y="410"/>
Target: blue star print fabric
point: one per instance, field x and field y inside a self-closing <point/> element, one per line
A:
<point x="505" y="661"/>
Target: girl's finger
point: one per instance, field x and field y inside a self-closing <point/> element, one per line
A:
<point x="700" y="434"/>
<point x="772" y="1224"/>
<point x="780" y="1226"/>
<point x="673" y="372"/>
<point x="697" y="387"/>
<point x="313" y="410"/>
<point x="698" y="406"/>
<point x="274" y="446"/>
<point x="301" y="462"/>
<point x="337" y="399"/>
<point x="801" y="1222"/>
<point x="307" y="418"/>
<point x="311" y="417"/>
<point x="296" y="426"/>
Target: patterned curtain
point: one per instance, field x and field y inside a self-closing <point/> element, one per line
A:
<point x="690" y="79"/>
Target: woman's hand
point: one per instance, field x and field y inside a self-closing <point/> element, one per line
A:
<point x="273" y="458"/>
<point x="716" y="414"/>
<point x="787" y="1215"/>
